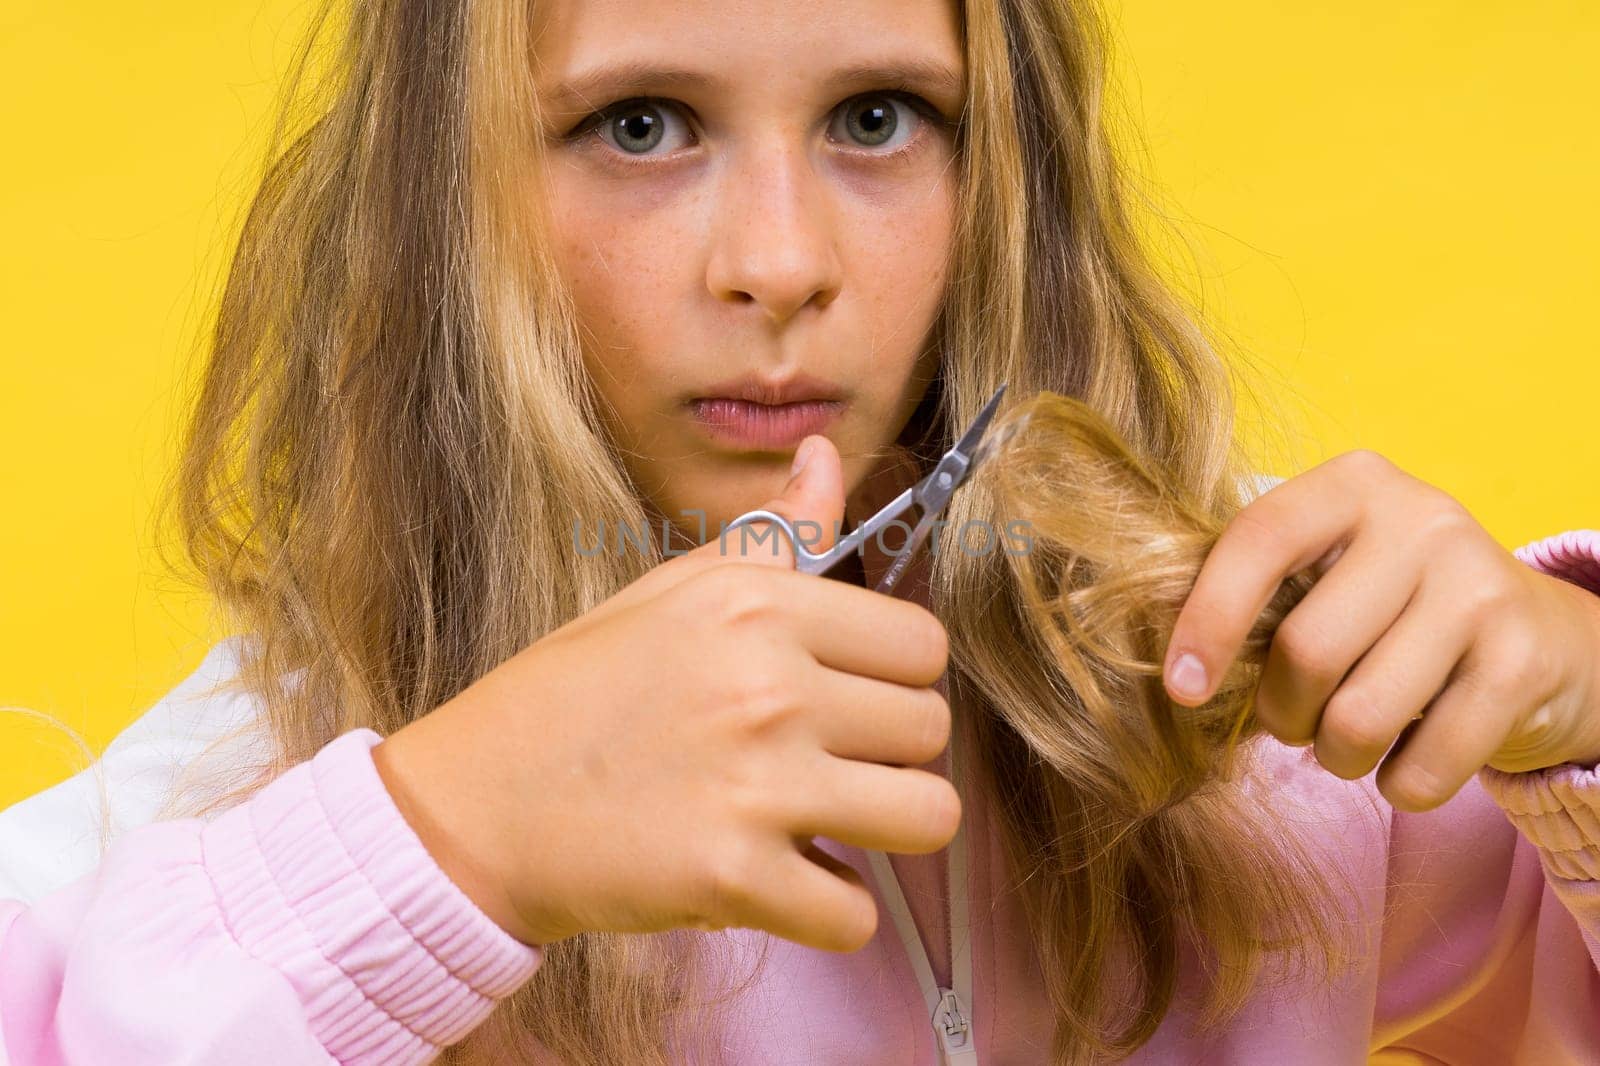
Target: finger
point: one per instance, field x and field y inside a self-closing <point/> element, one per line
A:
<point x="815" y="899"/>
<point x="879" y="721"/>
<point x="1460" y="731"/>
<point x="843" y="626"/>
<point x="858" y="631"/>
<point x="879" y="808"/>
<point x="1286" y="529"/>
<point x="1401" y="674"/>
<point x="1333" y="625"/>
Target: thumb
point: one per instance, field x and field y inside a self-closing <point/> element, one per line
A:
<point x="812" y="501"/>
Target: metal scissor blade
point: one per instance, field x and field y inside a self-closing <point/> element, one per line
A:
<point x="933" y="492"/>
<point x="968" y="444"/>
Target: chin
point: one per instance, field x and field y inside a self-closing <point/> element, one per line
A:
<point x="687" y="509"/>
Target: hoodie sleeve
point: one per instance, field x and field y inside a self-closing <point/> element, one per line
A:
<point x="1491" y="943"/>
<point x="308" y="924"/>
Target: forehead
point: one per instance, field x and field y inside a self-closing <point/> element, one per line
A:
<point x="777" y="46"/>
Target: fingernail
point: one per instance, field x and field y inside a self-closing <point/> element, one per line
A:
<point x="802" y="456"/>
<point x="1187" y="676"/>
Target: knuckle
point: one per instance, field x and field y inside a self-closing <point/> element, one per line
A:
<point x="1412" y="787"/>
<point x="1303" y="646"/>
<point x="1365" y="462"/>
<point x="863" y="925"/>
<point x="937" y="726"/>
<point x="1541" y="671"/>
<point x="943" y="809"/>
<point x="741" y="790"/>
<point x="707" y="587"/>
<point x="1447" y="520"/>
<point x="1478" y="608"/>
<point x="1491" y="599"/>
<point x="761" y="698"/>
<point x="1474" y="683"/>
<point x="1274" y="718"/>
<point x="739" y="595"/>
<point x="1539" y="727"/>
<point x="726" y="882"/>
<point x="927" y="636"/>
<point x="1251" y="525"/>
<point x="1201" y="616"/>
<point x="1517" y="665"/>
<point x="937" y="640"/>
<point x="1352" y="721"/>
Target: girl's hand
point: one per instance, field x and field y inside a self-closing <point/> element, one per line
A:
<point x="1417" y="611"/>
<point x="664" y="760"/>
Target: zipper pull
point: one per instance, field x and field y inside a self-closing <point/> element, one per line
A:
<point x="952" y="1029"/>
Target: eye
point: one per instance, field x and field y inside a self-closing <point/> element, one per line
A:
<point x="879" y="119"/>
<point x="637" y="127"/>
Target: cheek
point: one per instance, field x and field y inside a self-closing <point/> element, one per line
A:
<point x="902" y="245"/>
<point x="899" y="250"/>
<point x="617" y="266"/>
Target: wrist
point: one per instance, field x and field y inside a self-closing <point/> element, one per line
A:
<point x="410" y="785"/>
<point x="1587" y="749"/>
<point x="1571" y="562"/>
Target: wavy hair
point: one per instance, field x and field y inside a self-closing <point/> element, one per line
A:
<point x="1130" y="815"/>
<point x="393" y="434"/>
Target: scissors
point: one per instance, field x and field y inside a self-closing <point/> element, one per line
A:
<point x="931" y="494"/>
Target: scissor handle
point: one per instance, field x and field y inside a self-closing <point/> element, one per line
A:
<point x="807" y="563"/>
<point x="804" y="561"/>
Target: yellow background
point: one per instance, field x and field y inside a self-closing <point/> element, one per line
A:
<point x="1392" y="206"/>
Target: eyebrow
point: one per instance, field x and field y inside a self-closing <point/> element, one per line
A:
<point x="638" y="78"/>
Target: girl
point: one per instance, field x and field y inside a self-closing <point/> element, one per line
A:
<point x="534" y="272"/>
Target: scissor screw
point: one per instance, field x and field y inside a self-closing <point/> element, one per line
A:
<point x="945" y="477"/>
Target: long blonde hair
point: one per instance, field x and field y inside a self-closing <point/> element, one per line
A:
<point x="394" y="434"/>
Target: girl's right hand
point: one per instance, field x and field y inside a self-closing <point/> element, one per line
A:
<point x="664" y="760"/>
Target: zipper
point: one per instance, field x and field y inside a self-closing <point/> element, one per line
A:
<point x="949" y="882"/>
<point x="948" y="1011"/>
<point x="952" y="1024"/>
<point x="953" y="1030"/>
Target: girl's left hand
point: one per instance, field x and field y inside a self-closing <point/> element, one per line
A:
<point x="1425" y="614"/>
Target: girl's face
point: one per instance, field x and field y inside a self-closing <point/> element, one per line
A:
<point x="753" y="203"/>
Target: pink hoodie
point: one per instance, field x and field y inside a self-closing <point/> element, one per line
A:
<point x="309" y="925"/>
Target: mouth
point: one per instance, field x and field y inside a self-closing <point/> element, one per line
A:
<point x="761" y="415"/>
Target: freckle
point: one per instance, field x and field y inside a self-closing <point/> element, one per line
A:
<point x="594" y="766"/>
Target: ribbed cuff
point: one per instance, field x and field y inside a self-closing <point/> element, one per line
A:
<point x="1572" y="556"/>
<point x="1558" y="808"/>
<point x="320" y="875"/>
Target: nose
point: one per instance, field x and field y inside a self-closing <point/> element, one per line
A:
<point x="774" y="234"/>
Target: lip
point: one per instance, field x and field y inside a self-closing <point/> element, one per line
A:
<point x="760" y="426"/>
<point x="760" y="414"/>
<point x="755" y="389"/>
